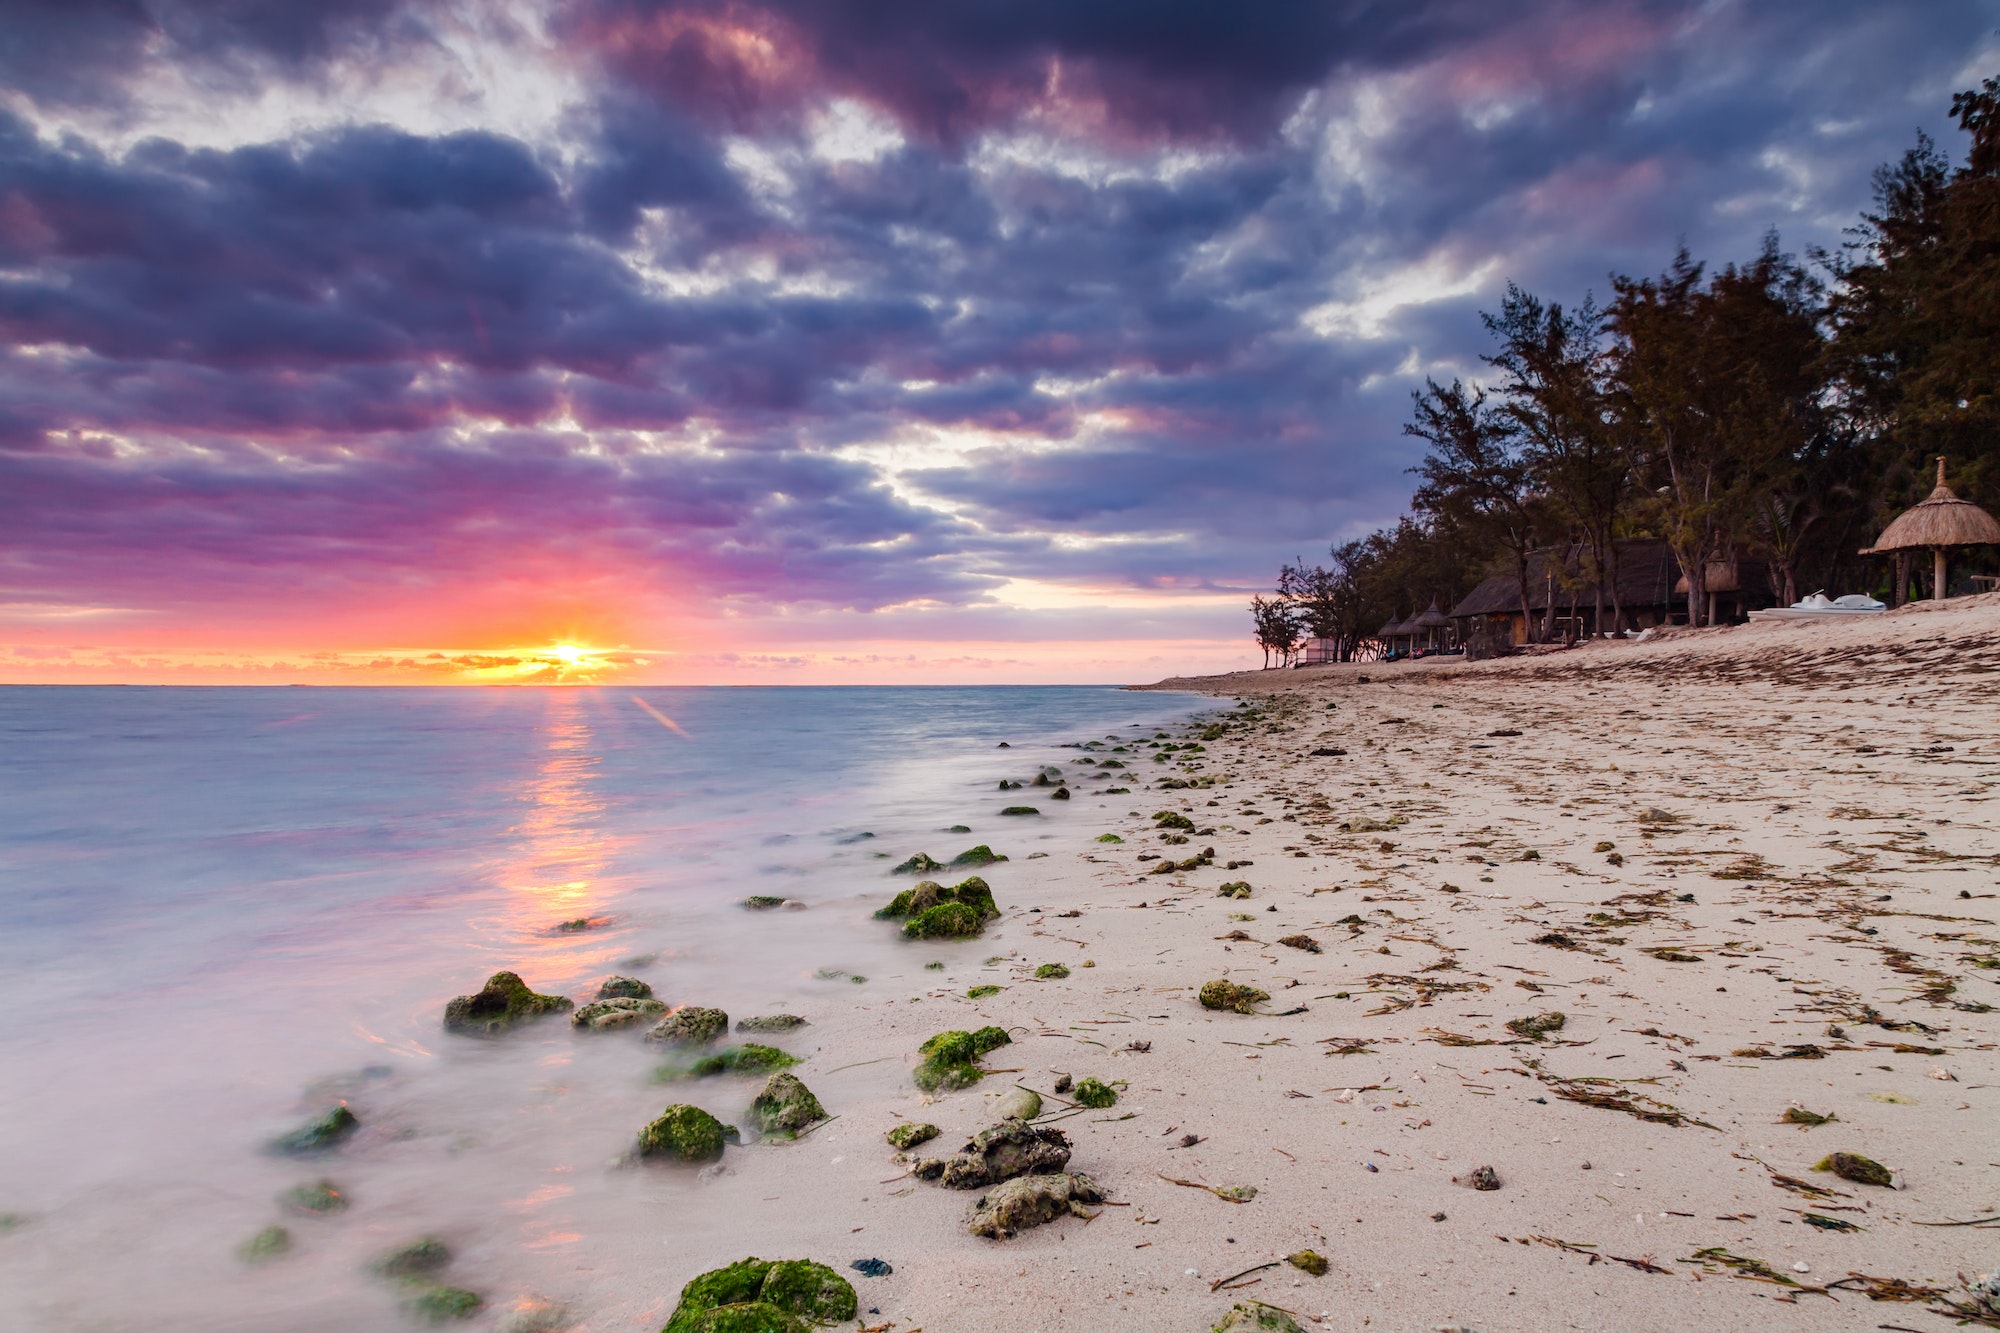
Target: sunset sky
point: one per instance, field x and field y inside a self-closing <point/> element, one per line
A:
<point x="818" y="340"/>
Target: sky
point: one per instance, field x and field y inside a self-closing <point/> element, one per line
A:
<point x="819" y="341"/>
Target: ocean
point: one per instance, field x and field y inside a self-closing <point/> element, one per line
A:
<point x="223" y="911"/>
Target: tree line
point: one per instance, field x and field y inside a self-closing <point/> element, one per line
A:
<point x="1772" y="407"/>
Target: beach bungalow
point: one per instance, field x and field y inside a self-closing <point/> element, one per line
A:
<point x="1562" y="600"/>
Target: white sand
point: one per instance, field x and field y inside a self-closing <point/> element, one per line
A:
<point x="1827" y="882"/>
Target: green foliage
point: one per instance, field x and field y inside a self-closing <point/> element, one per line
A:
<point x="1051" y="972"/>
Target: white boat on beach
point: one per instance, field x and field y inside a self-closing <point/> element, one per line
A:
<point x="1820" y="607"/>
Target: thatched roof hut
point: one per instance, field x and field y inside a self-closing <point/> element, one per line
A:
<point x="1940" y="520"/>
<point x="1431" y="619"/>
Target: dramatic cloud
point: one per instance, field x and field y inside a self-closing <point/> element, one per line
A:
<point x="726" y="322"/>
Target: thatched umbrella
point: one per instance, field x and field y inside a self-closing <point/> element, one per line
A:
<point x="1393" y="630"/>
<point x="1430" y="622"/>
<point x="1940" y="521"/>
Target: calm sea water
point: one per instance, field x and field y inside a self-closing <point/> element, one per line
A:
<point x="222" y="909"/>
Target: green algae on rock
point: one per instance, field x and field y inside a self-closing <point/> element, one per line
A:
<point x="691" y="1025"/>
<point x="438" y="1304"/>
<point x="1235" y="888"/>
<point x="1109" y="837"/>
<point x="624" y="988"/>
<point x="1232" y="997"/>
<point x="1051" y="972"/>
<point x="786" y="1107"/>
<point x="686" y="1133"/>
<point x="905" y="1137"/>
<point x="770" y="1023"/>
<point x="1173" y="819"/>
<point x="321" y="1135"/>
<point x="920" y="864"/>
<point x="1020" y="1104"/>
<point x="622" y="1012"/>
<point x="502" y="1003"/>
<point x="949" y="1058"/>
<point x="318" y="1199"/>
<point x="1028" y="1201"/>
<point x="981" y="992"/>
<point x="266" y="1245"/>
<point x="760" y="1296"/>
<point x="763" y="902"/>
<point x="982" y="855"/>
<point x="1019" y="810"/>
<point x="1095" y="1094"/>
<point x="946" y="921"/>
<point x="420" y="1258"/>
<point x="749" y="1058"/>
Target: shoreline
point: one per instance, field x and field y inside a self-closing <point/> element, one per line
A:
<point x="1798" y="891"/>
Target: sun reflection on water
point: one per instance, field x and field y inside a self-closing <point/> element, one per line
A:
<point x="556" y="869"/>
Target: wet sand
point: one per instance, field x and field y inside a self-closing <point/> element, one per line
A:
<point x="1796" y="909"/>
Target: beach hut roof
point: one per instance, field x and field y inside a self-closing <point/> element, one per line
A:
<point x="1431" y="619"/>
<point x="1941" y="519"/>
<point x="1391" y="628"/>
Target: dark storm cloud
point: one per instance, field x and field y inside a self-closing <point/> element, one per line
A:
<point x="1180" y="263"/>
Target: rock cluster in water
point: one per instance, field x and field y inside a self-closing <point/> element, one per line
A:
<point x="504" y="1002"/>
<point x="937" y="912"/>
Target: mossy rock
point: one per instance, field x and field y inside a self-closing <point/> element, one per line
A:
<point x="1235" y="888"/>
<point x="982" y="855"/>
<point x="1020" y="810"/>
<point x="1308" y="1261"/>
<point x="1227" y="995"/>
<point x="504" y="1002"/>
<point x="624" y="988"/>
<point x="946" y="921"/>
<point x="686" y="1133"/>
<point x="949" y="1058"/>
<point x="809" y="1290"/>
<point x="1173" y="819"/>
<point x="749" y="1058"/>
<point x="919" y="899"/>
<point x="621" y="1012"/>
<point x="320" y="1199"/>
<point x="786" y="1106"/>
<point x="737" y="1284"/>
<point x="321" y="1135"/>
<point x="1095" y="1094"/>
<point x="920" y="864"/>
<point x="749" y="1317"/>
<point x="770" y="1023"/>
<point x="905" y="1137"/>
<point x="1109" y="837"/>
<point x="441" y="1304"/>
<point x="981" y="992"/>
<point x="763" y="902"/>
<point x="418" y="1259"/>
<point x="268" y="1244"/>
<point x="1861" y="1170"/>
<point x="1051" y="972"/>
<point x="759" y="1296"/>
<point x="690" y="1026"/>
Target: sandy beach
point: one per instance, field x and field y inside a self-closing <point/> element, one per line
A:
<point x="1753" y="868"/>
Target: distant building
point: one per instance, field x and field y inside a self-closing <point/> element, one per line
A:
<point x="1651" y="588"/>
